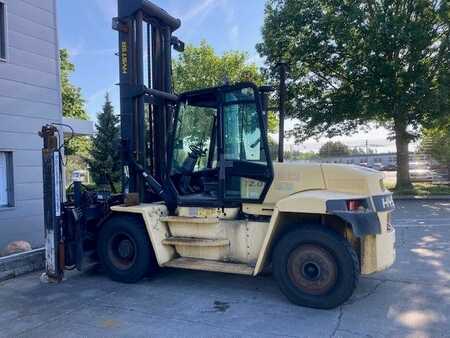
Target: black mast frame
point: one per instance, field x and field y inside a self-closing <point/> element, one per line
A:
<point x="145" y="138"/>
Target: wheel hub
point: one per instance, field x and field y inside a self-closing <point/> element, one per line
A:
<point x="312" y="269"/>
<point x="125" y="249"/>
<point x="122" y="251"/>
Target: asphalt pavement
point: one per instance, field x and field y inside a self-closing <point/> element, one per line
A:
<point x="412" y="299"/>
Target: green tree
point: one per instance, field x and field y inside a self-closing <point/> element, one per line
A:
<point x="331" y="148"/>
<point x="72" y="105"/>
<point x="105" y="153"/>
<point x="436" y="142"/>
<point x="73" y="102"/>
<point x="296" y="155"/>
<point x="290" y="155"/>
<point x="353" y="62"/>
<point x="273" y="148"/>
<point x="361" y="151"/>
<point x="200" y="67"/>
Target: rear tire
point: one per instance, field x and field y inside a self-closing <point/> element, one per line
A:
<point x="315" y="267"/>
<point x="125" y="250"/>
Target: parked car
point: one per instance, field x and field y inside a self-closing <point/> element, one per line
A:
<point x="421" y="175"/>
<point x="419" y="165"/>
<point x="390" y="167"/>
<point x="377" y="166"/>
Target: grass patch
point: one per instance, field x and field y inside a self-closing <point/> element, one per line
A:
<point x="421" y="189"/>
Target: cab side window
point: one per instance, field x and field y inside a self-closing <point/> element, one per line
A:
<point x="242" y="133"/>
<point x="244" y="152"/>
<point x="194" y="128"/>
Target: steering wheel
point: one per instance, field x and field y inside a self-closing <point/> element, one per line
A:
<point x="187" y="168"/>
<point x="197" y="150"/>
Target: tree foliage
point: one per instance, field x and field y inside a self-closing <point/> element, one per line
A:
<point x="290" y="154"/>
<point x="73" y="102"/>
<point x="296" y="155"/>
<point x="73" y="105"/>
<point x="201" y="67"/>
<point x="331" y="148"/>
<point x="105" y="153"/>
<point x="436" y="142"/>
<point x="362" y="151"/>
<point x="353" y="62"/>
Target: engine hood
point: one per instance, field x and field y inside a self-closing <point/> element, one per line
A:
<point x="290" y="178"/>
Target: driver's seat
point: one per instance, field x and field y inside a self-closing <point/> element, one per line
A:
<point x="186" y="171"/>
<point x="187" y="168"/>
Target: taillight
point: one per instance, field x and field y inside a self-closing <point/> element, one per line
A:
<point x="357" y="205"/>
<point x="353" y="205"/>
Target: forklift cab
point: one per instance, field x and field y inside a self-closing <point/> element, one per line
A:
<point x="219" y="151"/>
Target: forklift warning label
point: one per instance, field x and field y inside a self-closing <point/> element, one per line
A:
<point x="124" y="57"/>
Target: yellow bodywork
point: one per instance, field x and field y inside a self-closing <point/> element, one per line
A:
<point x="157" y="230"/>
<point x="197" y="236"/>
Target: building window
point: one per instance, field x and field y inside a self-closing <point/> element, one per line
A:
<point x="6" y="180"/>
<point x="3" y="31"/>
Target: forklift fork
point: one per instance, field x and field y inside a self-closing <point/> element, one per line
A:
<point x="52" y="177"/>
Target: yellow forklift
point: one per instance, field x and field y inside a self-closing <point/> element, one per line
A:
<point x="201" y="192"/>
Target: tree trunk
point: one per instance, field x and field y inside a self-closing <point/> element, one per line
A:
<point x="401" y="142"/>
<point x="448" y="173"/>
<point x="111" y="184"/>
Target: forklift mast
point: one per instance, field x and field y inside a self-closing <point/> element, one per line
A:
<point x="148" y="107"/>
<point x="147" y="102"/>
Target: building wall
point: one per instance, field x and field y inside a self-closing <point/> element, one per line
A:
<point x="29" y="98"/>
<point x="375" y="159"/>
<point x="369" y="160"/>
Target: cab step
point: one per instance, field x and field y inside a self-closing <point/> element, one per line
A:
<point x="209" y="265"/>
<point x="187" y="241"/>
<point x="190" y="220"/>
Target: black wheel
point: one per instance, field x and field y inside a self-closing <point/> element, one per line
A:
<point x="315" y="267"/>
<point x="124" y="249"/>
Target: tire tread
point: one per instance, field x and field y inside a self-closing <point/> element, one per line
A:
<point x="145" y="264"/>
<point x="320" y="233"/>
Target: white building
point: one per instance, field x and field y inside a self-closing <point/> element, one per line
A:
<point x="30" y="97"/>
<point x="374" y="160"/>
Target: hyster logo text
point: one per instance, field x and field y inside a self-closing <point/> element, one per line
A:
<point x="124" y="57"/>
<point x="388" y="202"/>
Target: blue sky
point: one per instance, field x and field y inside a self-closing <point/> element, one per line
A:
<point x="85" y="30"/>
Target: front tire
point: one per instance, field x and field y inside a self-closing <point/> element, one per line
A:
<point x="125" y="250"/>
<point x="315" y="267"/>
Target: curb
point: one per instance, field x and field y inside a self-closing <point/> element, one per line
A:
<point x="21" y="263"/>
<point x="422" y="198"/>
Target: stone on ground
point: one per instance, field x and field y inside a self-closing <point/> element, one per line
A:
<point x="15" y="247"/>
